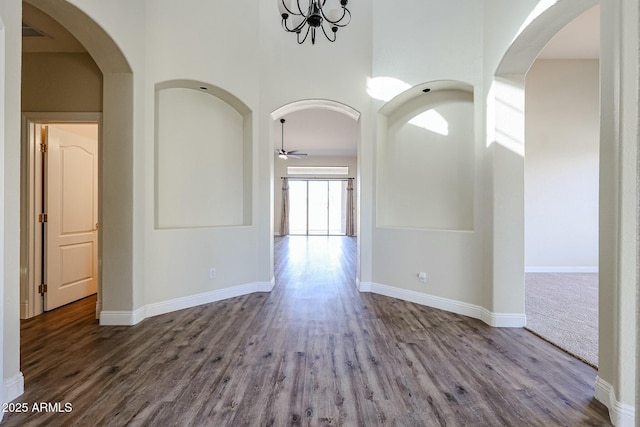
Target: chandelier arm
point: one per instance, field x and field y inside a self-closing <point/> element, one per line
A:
<point x="295" y="29"/>
<point x="301" y="13"/>
<point x="284" y="5"/>
<point x="305" y="35"/>
<point x="337" y="22"/>
<point x="327" y="35"/>
<point x="326" y="17"/>
<point x="290" y="11"/>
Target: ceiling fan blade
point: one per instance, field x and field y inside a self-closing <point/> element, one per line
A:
<point x="296" y="155"/>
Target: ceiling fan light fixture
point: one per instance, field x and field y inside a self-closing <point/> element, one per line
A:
<point x="284" y="154"/>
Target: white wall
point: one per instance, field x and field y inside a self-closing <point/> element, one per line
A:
<point x="184" y="45"/>
<point x="181" y="44"/>
<point x="405" y="49"/>
<point x="501" y="25"/>
<point x="10" y="19"/>
<point x="561" y="167"/>
<point x="618" y="261"/>
<point x="3" y="398"/>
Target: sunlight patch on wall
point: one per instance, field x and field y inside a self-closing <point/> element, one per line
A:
<point x="537" y="11"/>
<point x="385" y="88"/>
<point x="431" y="120"/>
<point x="510" y="115"/>
<point x="491" y="115"/>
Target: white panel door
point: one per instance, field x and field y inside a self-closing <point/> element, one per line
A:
<point x="72" y="213"/>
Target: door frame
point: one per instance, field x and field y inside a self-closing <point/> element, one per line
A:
<point x="30" y="242"/>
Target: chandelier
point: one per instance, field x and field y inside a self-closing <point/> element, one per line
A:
<point x="301" y="19"/>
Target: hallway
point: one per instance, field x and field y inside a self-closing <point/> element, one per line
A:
<point x="314" y="351"/>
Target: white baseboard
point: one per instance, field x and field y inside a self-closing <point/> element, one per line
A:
<point x="500" y="320"/>
<point x="621" y="415"/>
<point x="561" y="269"/>
<point x="503" y="320"/>
<point x="363" y="286"/>
<point x="121" y="318"/>
<point x="129" y="318"/>
<point x="13" y="387"/>
<point x="266" y="286"/>
<point x="24" y="310"/>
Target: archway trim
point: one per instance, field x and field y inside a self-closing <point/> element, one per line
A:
<point x="322" y="104"/>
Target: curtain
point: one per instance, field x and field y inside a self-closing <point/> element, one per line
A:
<point x="284" y="218"/>
<point x="350" y="226"/>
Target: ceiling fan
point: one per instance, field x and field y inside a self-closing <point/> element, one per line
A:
<point x="284" y="154"/>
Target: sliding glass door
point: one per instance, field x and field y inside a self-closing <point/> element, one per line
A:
<point x="298" y="210"/>
<point x="317" y="207"/>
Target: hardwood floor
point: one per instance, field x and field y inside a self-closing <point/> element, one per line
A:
<point x="314" y="351"/>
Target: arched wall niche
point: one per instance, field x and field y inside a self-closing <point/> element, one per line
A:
<point x="202" y="140"/>
<point x="116" y="213"/>
<point x="426" y="158"/>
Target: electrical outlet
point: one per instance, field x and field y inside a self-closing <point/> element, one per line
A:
<point x="212" y="273"/>
<point x="422" y="277"/>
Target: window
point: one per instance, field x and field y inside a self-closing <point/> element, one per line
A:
<point x="318" y="170"/>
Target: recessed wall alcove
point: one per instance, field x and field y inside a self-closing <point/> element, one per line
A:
<point x="425" y="158"/>
<point x="203" y="156"/>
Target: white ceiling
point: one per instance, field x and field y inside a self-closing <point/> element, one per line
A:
<point x="318" y="132"/>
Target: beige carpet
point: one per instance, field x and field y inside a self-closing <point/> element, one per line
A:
<point x="563" y="309"/>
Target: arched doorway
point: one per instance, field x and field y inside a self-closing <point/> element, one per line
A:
<point x="115" y="217"/>
<point x="505" y="130"/>
<point x="562" y="118"/>
<point x="338" y="125"/>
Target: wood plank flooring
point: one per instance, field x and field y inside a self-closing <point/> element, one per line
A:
<point x="313" y="352"/>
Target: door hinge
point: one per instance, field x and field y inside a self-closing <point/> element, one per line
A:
<point x="43" y="147"/>
<point x="42" y="289"/>
<point x="42" y="217"/>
